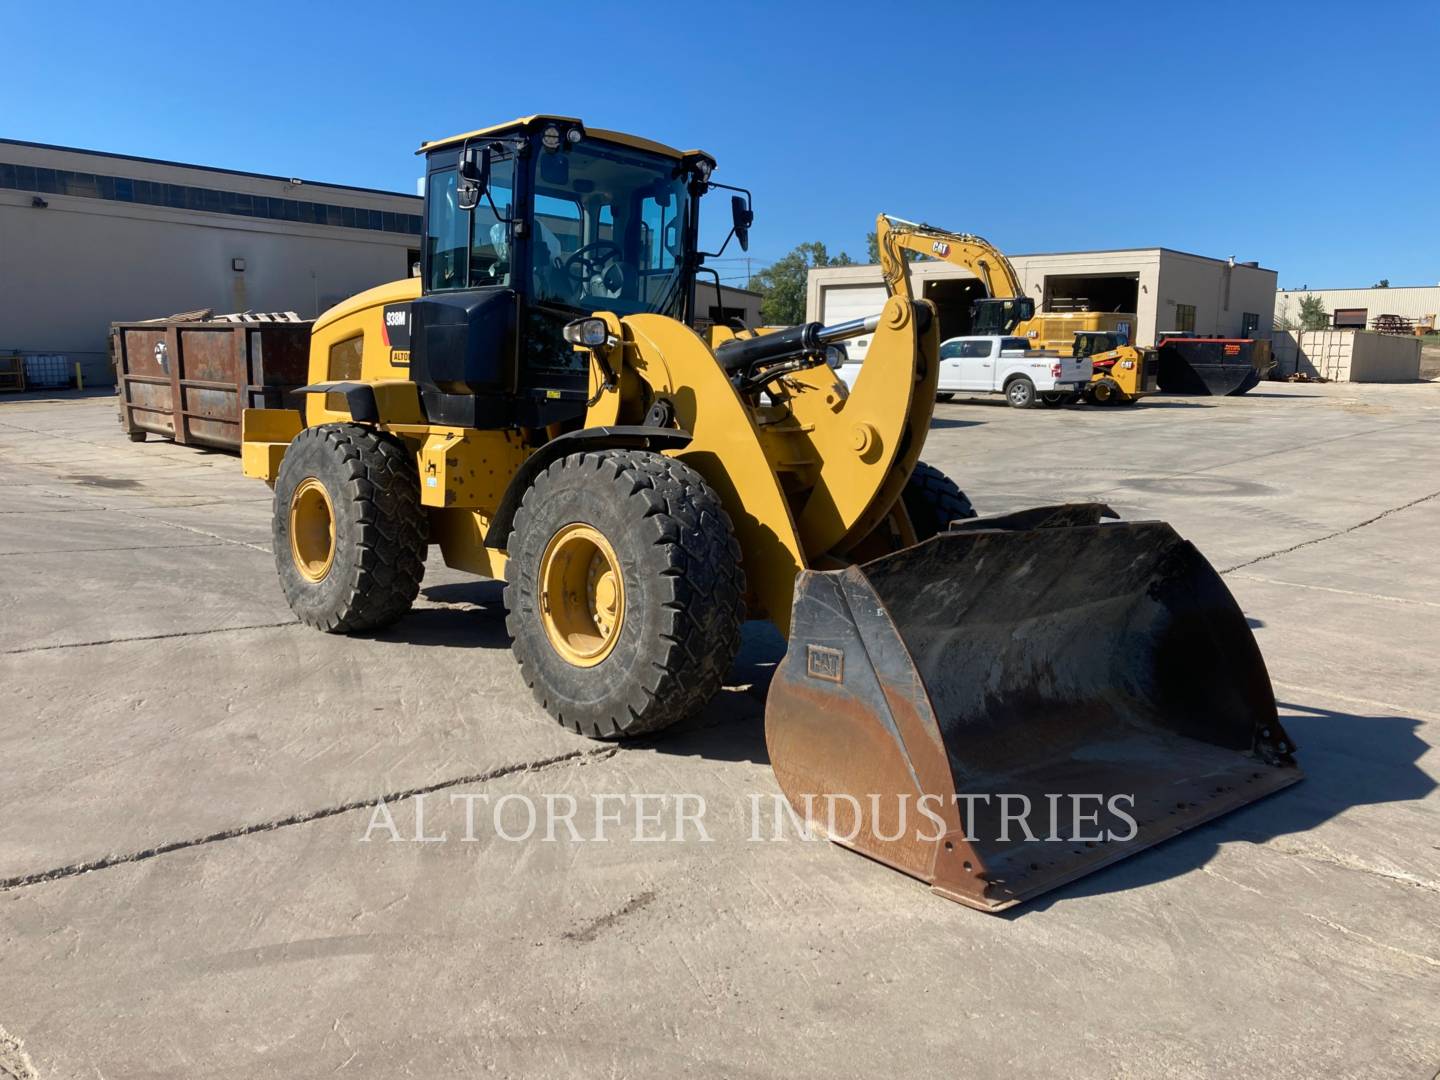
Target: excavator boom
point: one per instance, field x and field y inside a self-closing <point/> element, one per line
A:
<point x="1005" y="307"/>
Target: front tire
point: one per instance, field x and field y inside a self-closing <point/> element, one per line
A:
<point x="932" y="500"/>
<point x="625" y="593"/>
<point x="1020" y="392"/>
<point x="348" y="529"/>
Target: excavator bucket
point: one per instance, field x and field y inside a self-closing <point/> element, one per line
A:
<point x="1020" y="700"/>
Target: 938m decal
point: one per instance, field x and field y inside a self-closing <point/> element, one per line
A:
<point x="395" y="325"/>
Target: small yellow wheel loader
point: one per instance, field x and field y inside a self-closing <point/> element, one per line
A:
<point x="1123" y="373"/>
<point x="535" y="406"/>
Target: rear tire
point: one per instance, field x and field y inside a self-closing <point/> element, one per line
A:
<point x="364" y="486"/>
<point x="665" y="546"/>
<point x="1106" y="391"/>
<point x="933" y="500"/>
<point x="1020" y="392"/>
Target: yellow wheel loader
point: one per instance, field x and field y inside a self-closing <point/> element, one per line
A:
<point x="535" y="406"/>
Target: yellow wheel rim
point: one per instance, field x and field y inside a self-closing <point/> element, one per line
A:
<point x="582" y="595"/>
<point x="312" y="530"/>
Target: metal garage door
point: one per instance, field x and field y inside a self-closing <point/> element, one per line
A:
<point x="841" y="303"/>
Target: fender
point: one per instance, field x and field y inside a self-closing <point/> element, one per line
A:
<point x="360" y="397"/>
<point x="619" y="437"/>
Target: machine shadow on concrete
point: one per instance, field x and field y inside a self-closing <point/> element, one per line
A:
<point x="1349" y="760"/>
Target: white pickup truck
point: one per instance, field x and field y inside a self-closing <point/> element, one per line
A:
<point x="973" y="366"/>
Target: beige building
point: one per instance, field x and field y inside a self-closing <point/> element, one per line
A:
<point x="1166" y="289"/>
<point x="730" y="306"/>
<point x="88" y="238"/>
<point x="1358" y="308"/>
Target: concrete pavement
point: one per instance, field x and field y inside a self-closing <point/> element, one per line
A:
<point x="187" y="778"/>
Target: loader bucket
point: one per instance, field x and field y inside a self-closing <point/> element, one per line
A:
<point x="1057" y="693"/>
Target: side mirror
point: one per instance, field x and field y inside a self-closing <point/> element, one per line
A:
<point x="474" y="176"/>
<point x="742" y="217"/>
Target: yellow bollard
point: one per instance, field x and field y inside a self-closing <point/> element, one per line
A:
<point x="79" y="379"/>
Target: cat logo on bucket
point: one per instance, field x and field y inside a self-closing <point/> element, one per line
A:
<point x="823" y="662"/>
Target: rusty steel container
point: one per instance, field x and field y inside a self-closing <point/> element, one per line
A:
<point x="190" y="381"/>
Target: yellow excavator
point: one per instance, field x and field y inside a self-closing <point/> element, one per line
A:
<point x="535" y="406"/>
<point x="1122" y="373"/>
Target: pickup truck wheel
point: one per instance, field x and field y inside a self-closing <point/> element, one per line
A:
<point x="1020" y="392"/>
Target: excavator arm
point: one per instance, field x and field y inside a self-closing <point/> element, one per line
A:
<point x="1007" y="305"/>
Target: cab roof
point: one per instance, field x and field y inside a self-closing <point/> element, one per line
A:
<point x="525" y="122"/>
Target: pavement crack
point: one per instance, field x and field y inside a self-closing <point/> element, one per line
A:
<point x="1422" y="957"/>
<point x="148" y="637"/>
<point x="1331" y="536"/>
<point x="98" y="550"/>
<point x="1383" y="597"/>
<point x="75" y="869"/>
<point x="1343" y="863"/>
<point x="265" y="549"/>
<point x="594" y="927"/>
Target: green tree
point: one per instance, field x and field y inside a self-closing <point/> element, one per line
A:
<point x="872" y="249"/>
<point x="1383" y="283"/>
<point x="781" y="285"/>
<point x="1313" y="315"/>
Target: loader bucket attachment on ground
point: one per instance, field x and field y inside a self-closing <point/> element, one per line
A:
<point x="1038" y="659"/>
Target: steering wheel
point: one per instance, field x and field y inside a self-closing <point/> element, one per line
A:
<point x="590" y="260"/>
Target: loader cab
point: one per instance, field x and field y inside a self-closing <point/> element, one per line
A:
<point x="531" y="225"/>
<point x="1092" y="343"/>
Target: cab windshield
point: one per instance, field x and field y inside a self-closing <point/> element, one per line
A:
<point x="610" y="230"/>
<point x="1094" y="344"/>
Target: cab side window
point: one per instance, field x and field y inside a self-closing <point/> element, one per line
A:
<point x="467" y="249"/>
<point x="490" y="233"/>
<point x="446" y="235"/>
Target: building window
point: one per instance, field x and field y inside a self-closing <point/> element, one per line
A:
<point x="727" y="316"/>
<point x="1350" y="318"/>
<point x="181" y="197"/>
<point x="1185" y="317"/>
<point x="1249" y="323"/>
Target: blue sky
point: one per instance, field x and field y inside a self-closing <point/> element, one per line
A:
<point x="1303" y="135"/>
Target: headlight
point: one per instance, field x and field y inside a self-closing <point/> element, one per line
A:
<point x="591" y="333"/>
<point x="550" y="138"/>
<point x="835" y="356"/>
<point x="573" y="136"/>
<point x="703" y="168"/>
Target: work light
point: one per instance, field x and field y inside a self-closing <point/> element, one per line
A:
<point x="588" y="332"/>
